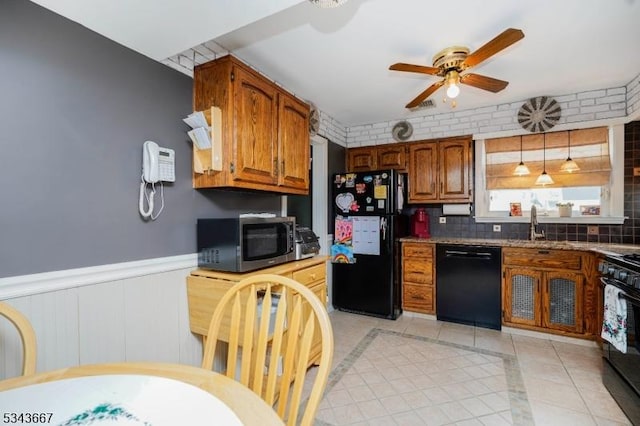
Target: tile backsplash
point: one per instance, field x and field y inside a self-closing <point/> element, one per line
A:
<point x="627" y="233"/>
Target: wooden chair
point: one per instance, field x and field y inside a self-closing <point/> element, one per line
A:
<point x="27" y="335"/>
<point x="269" y="323"/>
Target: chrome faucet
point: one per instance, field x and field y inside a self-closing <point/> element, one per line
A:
<point x="533" y="235"/>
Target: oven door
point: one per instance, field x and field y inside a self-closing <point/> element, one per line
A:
<point x="621" y="372"/>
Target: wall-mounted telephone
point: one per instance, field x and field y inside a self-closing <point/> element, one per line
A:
<point x="158" y="165"/>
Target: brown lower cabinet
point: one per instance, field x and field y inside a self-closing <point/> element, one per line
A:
<point x="205" y="289"/>
<point x="418" y="284"/>
<point x="554" y="291"/>
<point x="548" y="290"/>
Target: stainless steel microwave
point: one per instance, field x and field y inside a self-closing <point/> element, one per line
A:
<point x="244" y="244"/>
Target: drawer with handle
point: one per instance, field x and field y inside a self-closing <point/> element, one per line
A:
<point x="542" y="258"/>
<point x="310" y="275"/>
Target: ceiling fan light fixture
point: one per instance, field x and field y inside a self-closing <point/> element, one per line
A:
<point x="453" y="91"/>
<point x="453" y="79"/>
<point x="326" y="4"/>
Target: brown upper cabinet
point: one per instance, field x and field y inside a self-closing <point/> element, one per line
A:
<point x="440" y="171"/>
<point x="379" y="157"/>
<point x="265" y="130"/>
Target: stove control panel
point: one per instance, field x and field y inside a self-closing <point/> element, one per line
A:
<point x="619" y="272"/>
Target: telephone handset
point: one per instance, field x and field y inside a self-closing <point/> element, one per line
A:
<point x="158" y="164"/>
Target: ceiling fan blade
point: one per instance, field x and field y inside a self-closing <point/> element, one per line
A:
<point x="424" y="95"/>
<point x="500" y="42"/>
<point x="414" y="68"/>
<point x="483" y="82"/>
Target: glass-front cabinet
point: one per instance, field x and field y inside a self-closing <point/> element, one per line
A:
<point x="543" y="289"/>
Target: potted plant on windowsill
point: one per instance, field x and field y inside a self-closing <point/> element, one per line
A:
<point x="564" y="209"/>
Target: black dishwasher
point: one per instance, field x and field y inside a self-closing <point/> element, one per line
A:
<point x="468" y="285"/>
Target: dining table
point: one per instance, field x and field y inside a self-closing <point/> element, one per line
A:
<point x="132" y="393"/>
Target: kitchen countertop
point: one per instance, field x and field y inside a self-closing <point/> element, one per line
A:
<point x="604" y="248"/>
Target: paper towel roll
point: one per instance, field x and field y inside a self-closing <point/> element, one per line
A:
<point x="456" y="209"/>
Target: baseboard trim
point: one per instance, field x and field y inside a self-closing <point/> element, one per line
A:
<point x="26" y="285"/>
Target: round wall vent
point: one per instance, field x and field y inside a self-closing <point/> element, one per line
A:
<point x="539" y="114"/>
<point x="402" y="131"/>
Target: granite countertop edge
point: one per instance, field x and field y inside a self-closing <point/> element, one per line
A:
<point x="604" y="248"/>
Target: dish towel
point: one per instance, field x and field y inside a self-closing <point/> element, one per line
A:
<point x="614" y="324"/>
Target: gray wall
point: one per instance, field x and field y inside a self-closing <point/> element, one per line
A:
<point x="75" y="109"/>
<point x="336" y="163"/>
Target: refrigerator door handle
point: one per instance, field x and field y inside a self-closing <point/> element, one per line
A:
<point x="383" y="227"/>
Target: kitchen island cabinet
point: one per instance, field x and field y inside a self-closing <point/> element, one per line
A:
<point x="205" y="288"/>
<point x="265" y="141"/>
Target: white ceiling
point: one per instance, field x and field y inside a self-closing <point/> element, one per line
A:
<point x="339" y="58"/>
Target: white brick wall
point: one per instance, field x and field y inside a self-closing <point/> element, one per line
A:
<point x="633" y="97"/>
<point x="594" y="105"/>
<point x="332" y="129"/>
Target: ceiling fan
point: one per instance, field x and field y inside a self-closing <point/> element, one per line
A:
<point x="451" y="62"/>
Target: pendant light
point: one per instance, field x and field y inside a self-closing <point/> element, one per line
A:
<point x="544" y="178"/>
<point x="521" y="169"/>
<point x="569" y="165"/>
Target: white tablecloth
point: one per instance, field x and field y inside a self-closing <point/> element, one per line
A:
<point x="116" y="399"/>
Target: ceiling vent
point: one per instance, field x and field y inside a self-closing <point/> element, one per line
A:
<point x="426" y="104"/>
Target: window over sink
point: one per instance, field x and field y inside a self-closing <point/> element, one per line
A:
<point x="592" y="195"/>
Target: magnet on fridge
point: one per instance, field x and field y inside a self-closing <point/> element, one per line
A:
<point x="351" y="180"/>
<point x="367" y="179"/>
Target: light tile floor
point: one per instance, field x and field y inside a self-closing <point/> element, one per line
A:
<point x="419" y="371"/>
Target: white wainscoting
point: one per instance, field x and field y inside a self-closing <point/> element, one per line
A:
<point x="135" y="311"/>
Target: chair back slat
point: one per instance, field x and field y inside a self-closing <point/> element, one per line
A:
<point x="262" y="340"/>
<point x="274" y="324"/>
<point x="276" y="348"/>
<point x="289" y="357"/>
<point x="246" y="356"/>
<point x="300" y="372"/>
<point x="234" y="337"/>
<point x="27" y="336"/>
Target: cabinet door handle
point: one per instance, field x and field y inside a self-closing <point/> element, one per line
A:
<point x="543" y="251"/>
<point x="313" y="276"/>
<point x="441" y="187"/>
<point x="433" y="187"/>
<point x="282" y="167"/>
<point x="275" y="166"/>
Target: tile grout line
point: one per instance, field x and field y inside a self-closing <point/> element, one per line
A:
<point x="518" y="402"/>
<point x="564" y="367"/>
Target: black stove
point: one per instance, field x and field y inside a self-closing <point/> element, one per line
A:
<point x="621" y="373"/>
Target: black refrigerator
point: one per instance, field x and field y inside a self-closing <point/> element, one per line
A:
<point x="365" y="255"/>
